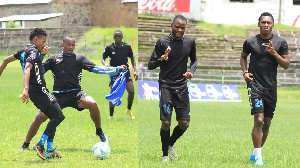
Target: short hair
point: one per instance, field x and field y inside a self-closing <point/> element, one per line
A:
<point x="67" y="36"/>
<point x="118" y="31"/>
<point x="37" y="32"/>
<point x="180" y="17"/>
<point x="266" y="14"/>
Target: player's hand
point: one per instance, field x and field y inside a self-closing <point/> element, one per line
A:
<point x="45" y="50"/>
<point x="188" y="75"/>
<point x="122" y="67"/>
<point x="106" y="65"/>
<point x="25" y="96"/>
<point x="166" y="55"/>
<point x="135" y="76"/>
<point x="248" y="77"/>
<point x="269" y="48"/>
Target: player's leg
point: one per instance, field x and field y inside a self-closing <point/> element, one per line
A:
<point x="130" y="90"/>
<point x="165" y="117"/>
<point x="56" y="117"/>
<point x="182" y="110"/>
<point x="257" y="111"/>
<point x="112" y="79"/>
<point x="89" y="103"/>
<point x="268" y="116"/>
<point x="265" y="129"/>
<point x="34" y="127"/>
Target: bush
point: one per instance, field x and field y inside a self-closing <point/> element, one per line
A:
<point x="12" y="24"/>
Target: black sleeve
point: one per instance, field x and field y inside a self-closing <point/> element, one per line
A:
<point x="193" y="58"/>
<point x="86" y="64"/>
<point x="47" y="64"/>
<point x="32" y="56"/>
<point x="17" y="54"/>
<point x="156" y="54"/>
<point x="105" y="53"/>
<point x="130" y="53"/>
<point x="283" y="50"/>
<point x="246" y="48"/>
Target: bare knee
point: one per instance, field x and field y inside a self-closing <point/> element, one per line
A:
<point x="165" y="125"/>
<point x="40" y="118"/>
<point x="258" y="121"/>
<point x="183" y="124"/>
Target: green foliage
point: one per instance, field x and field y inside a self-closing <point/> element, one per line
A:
<point x="221" y="29"/>
<point x="220" y="134"/>
<point x="75" y="136"/>
<point x="12" y="24"/>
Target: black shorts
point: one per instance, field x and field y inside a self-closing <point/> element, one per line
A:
<point x="177" y="97"/>
<point x="42" y="98"/>
<point x="70" y="99"/>
<point x="112" y="79"/>
<point x="262" y="100"/>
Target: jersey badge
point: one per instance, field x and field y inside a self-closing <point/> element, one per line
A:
<point x="113" y="52"/>
<point x="32" y="55"/>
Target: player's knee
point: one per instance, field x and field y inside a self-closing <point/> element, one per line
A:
<point x="184" y="125"/>
<point x="40" y="118"/>
<point x="266" y="125"/>
<point x="165" y="125"/>
<point x="259" y="121"/>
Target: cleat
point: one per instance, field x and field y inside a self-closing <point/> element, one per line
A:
<point x="172" y="153"/>
<point x="252" y="157"/>
<point x="165" y="159"/>
<point x="128" y="112"/>
<point x="53" y="154"/>
<point x="111" y="117"/>
<point x="23" y="148"/>
<point x="103" y="138"/>
<point x="33" y="147"/>
<point x="40" y="151"/>
<point x="259" y="162"/>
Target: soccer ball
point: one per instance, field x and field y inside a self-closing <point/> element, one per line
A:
<point x="101" y="150"/>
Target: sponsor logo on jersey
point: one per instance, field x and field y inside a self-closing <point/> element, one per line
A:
<point x="113" y="52"/>
<point x="32" y="55"/>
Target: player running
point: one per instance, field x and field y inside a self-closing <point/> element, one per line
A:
<point x="267" y="51"/>
<point x="171" y="53"/>
<point x="118" y="52"/>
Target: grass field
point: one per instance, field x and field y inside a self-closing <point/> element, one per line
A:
<point x="220" y="134"/>
<point x="75" y="136"/>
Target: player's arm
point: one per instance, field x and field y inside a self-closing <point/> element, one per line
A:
<point x="194" y="63"/>
<point x="157" y="57"/>
<point x="282" y="60"/>
<point x="6" y="61"/>
<point x="243" y="61"/>
<point x="112" y="71"/>
<point x="133" y="64"/>
<point x="44" y="52"/>
<point x="104" y="56"/>
<point x="26" y="77"/>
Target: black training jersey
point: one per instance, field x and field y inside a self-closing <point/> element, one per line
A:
<point x="31" y="54"/>
<point x="262" y="65"/>
<point x="118" y="55"/>
<point x="67" y="70"/>
<point x="171" y="71"/>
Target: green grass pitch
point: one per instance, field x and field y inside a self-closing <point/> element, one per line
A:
<point x="75" y="136"/>
<point x="219" y="134"/>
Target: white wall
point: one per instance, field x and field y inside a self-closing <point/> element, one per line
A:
<point x="237" y="13"/>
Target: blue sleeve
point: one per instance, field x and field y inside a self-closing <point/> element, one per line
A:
<point x="42" y="56"/>
<point x="112" y="71"/>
